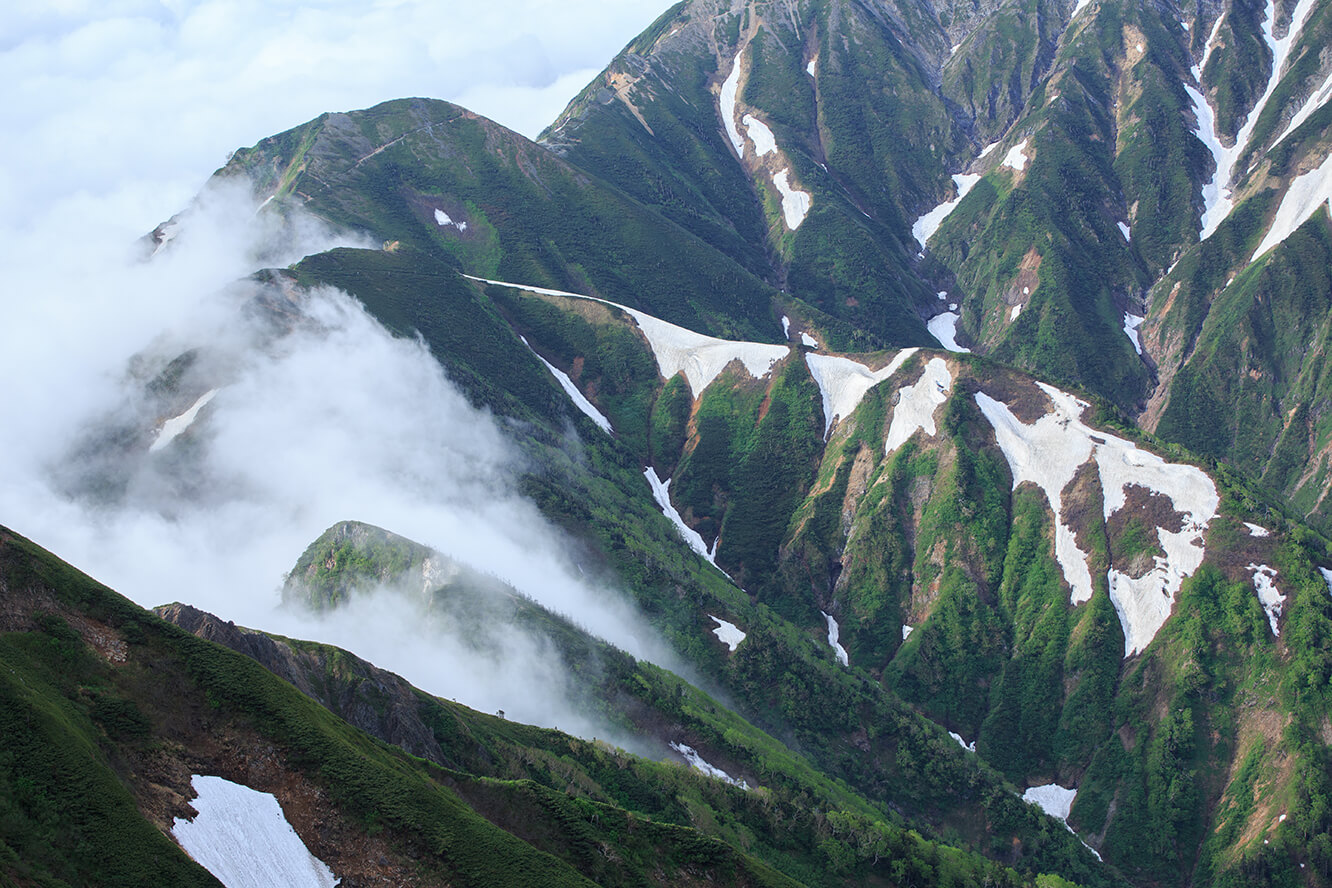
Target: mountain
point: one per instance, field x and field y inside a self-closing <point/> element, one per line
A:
<point x="913" y="598"/>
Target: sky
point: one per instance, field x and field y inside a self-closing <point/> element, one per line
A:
<point x="115" y="113"/>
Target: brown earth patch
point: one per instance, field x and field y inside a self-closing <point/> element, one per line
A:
<point x="856" y="485"/>
<point x="1082" y="503"/>
<point x="1021" y="395"/>
<point x="1148" y="510"/>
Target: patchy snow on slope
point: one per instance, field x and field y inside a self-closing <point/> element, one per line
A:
<point x="242" y="837"/>
<point x="1081" y="5"/>
<point x="969" y="747"/>
<point x="843" y="382"/>
<point x="1269" y="596"/>
<point x="906" y="631"/>
<point x="580" y="401"/>
<point x="812" y="66"/>
<point x="442" y="218"/>
<point x="1306" y="195"/>
<point x="1327" y="578"/>
<point x="834" y="634"/>
<point x="1319" y="98"/>
<point x="988" y="149"/>
<point x="795" y="203"/>
<point x="1016" y="156"/>
<point x="698" y="763"/>
<point x="944" y="328"/>
<point x="808" y="341"/>
<point x="727" y="106"/>
<point x="1049" y="452"/>
<point x="1222" y="202"/>
<point x="661" y="492"/>
<point x="786" y="327"/>
<point x="1013" y="315"/>
<point x="169" y="230"/>
<point x="1124" y="230"/>
<point x="174" y="427"/>
<point x="917" y="404"/>
<point x="1051" y="798"/>
<point x="924" y="227"/>
<point x="728" y="633"/>
<point x="1255" y="530"/>
<point x="677" y="350"/>
<point x="764" y="141"/>
<point x="1131" y="324"/>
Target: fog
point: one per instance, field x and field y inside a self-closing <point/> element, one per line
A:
<point x="318" y="415"/>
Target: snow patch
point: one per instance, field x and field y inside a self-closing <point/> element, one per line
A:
<point x="1049" y="452"/>
<point x="727" y="102"/>
<point x="795" y="203"/>
<point x="1082" y="4"/>
<point x="169" y="230"/>
<point x="1219" y="188"/>
<point x="944" y="328"/>
<point x="729" y="633"/>
<point x="989" y="148"/>
<point x="661" y="492"/>
<point x="174" y="427"/>
<point x="1016" y="156"/>
<point x="843" y="382"/>
<point x="1305" y="196"/>
<point x="834" y="633"/>
<point x="969" y="747"/>
<point x="1327" y="578"/>
<point x="1319" y="98"/>
<point x="907" y="630"/>
<point x="1255" y="530"/>
<point x="242" y="837"/>
<point x="812" y="66"/>
<point x="917" y="404"/>
<point x="924" y="227"/>
<point x="1124" y="230"/>
<point x="808" y="341"/>
<point x="1131" y="324"/>
<point x="1051" y="798"/>
<point x="580" y="401"/>
<point x="677" y="350"/>
<point x="764" y="141"/>
<point x="786" y="327"/>
<point x="1269" y="597"/>
<point x="698" y="763"/>
<point x="1013" y="315"/>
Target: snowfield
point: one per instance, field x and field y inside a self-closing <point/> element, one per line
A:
<point x="1307" y="195"/>
<point x="728" y="633"/>
<point x="580" y="401"/>
<point x="808" y="341"/>
<point x="727" y="102"/>
<point x="174" y="427"/>
<point x="764" y="141"/>
<point x="1049" y="452"/>
<point x="795" y="203"/>
<point x="924" y="227"/>
<point x="1269" y="597"/>
<point x="944" y="328"/>
<point x="917" y="404"/>
<point x="843" y="383"/>
<point x="1016" y="156"/>
<point x="1131" y="324"/>
<point x="242" y="837"/>
<point x="661" y="492"/>
<point x="834" y="634"/>
<point x="1051" y="798"/>
<point x="698" y="763"/>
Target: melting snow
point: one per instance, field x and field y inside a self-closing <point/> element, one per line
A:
<point x="834" y="633"/>
<point x="795" y="203"/>
<point x="1049" y="452"/>
<point x="843" y="382"/>
<point x="677" y="350"/>
<point x="1124" y="230"/>
<point x="808" y="341"/>
<point x="1305" y="196"/>
<point x="944" y="328"/>
<point x="580" y="401"/>
<point x="907" y="630"/>
<point x="764" y="141"/>
<point x="728" y="91"/>
<point x="924" y="227"/>
<point x="698" y="763"/>
<point x="174" y="427"/>
<point x="1051" y="798"/>
<point x="661" y="492"/>
<point x="1216" y="194"/>
<point x="729" y="633"/>
<point x="242" y="837"/>
<point x="1255" y="530"/>
<point x="1269" y="597"/>
<point x="1131" y="324"/>
<point x="1016" y="158"/>
<point x="1313" y="103"/>
<point x="969" y="747"/>
<point x="916" y="404"/>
